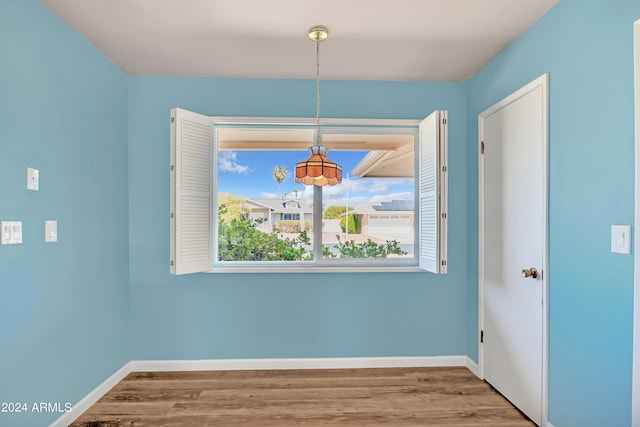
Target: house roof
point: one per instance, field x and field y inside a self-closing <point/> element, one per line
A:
<point x="394" y="206"/>
<point x="253" y="203"/>
<point x="391" y="163"/>
<point x="279" y="205"/>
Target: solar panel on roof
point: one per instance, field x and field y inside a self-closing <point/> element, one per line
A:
<point x="395" y="205"/>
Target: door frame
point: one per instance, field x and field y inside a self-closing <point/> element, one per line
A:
<point x="543" y="82"/>
<point x="636" y="268"/>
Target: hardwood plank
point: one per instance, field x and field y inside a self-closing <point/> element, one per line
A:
<point x="132" y="394"/>
<point x="397" y="420"/>
<point x="451" y="397"/>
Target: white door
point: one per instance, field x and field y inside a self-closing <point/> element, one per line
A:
<point x="513" y="230"/>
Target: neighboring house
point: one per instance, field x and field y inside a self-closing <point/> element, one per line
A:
<point x="260" y="213"/>
<point x="388" y="220"/>
<point x="280" y="210"/>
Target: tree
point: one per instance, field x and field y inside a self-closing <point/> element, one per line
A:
<point x="234" y="207"/>
<point x="279" y="173"/>
<point x="354" y="224"/>
<point x="240" y="240"/>
<point x="335" y="212"/>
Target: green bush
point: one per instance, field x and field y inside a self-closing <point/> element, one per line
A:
<point x="335" y="212"/>
<point x="240" y="240"/>
<point x="368" y="249"/>
<point x="291" y="226"/>
<point x="354" y="224"/>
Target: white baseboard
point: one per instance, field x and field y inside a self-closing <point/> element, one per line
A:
<point x="91" y="398"/>
<point x="257" y="364"/>
<point x="473" y="367"/>
<point x="315" y="363"/>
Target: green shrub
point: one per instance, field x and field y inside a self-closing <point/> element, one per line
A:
<point x="240" y="240"/>
<point x="354" y="224"/>
<point x="368" y="249"/>
<point x="335" y="212"/>
<point x="291" y="226"/>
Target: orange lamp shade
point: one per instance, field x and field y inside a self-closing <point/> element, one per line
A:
<point x="318" y="169"/>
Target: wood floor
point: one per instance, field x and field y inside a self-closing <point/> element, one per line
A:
<point x="451" y="397"/>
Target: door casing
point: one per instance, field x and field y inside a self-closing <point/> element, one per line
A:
<point x="542" y="81"/>
<point x="636" y="268"/>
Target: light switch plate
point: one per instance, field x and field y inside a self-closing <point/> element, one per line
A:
<point x="10" y="232"/>
<point x="621" y="239"/>
<point x="6" y="232"/>
<point x="50" y="231"/>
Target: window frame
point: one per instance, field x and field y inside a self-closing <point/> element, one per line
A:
<point x="328" y="126"/>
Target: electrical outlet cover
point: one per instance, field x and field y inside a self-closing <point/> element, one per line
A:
<point x="33" y="179"/>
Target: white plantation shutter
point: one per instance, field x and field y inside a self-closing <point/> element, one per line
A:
<point x="433" y="193"/>
<point x="191" y="192"/>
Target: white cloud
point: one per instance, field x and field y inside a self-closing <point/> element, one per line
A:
<point x="227" y="162"/>
<point x="307" y="193"/>
<point x="368" y="185"/>
<point x="362" y="192"/>
<point x="359" y="202"/>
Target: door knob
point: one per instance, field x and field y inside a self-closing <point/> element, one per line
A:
<point x="530" y="272"/>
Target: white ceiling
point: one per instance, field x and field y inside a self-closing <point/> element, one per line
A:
<point x="418" y="40"/>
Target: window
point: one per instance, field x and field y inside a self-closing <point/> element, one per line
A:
<point x="234" y="202"/>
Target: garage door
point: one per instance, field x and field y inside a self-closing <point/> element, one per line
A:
<point x="389" y="224"/>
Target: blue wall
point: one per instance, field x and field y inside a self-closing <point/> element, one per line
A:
<point x="586" y="46"/>
<point x="286" y="315"/>
<point x="100" y="140"/>
<point x="64" y="305"/>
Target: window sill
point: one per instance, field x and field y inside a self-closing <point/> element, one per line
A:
<point x="319" y="269"/>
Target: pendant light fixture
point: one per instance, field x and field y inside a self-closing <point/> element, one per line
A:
<point x="318" y="169"/>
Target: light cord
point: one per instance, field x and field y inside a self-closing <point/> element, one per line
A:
<point x="318" y="139"/>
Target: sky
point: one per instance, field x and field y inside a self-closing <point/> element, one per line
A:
<point x="249" y="174"/>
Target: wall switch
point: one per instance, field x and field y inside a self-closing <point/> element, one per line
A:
<point x="10" y="232"/>
<point x="621" y="239"/>
<point x="33" y="179"/>
<point x="51" y="231"/>
<point x="17" y="232"/>
<point x="6" y="232"/>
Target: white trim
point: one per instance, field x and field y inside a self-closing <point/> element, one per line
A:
<point x="635" y="405"/>
<point x="256" y="364"/>
<point x="296" y="363"/>
<point x="91" y="398"/>
<point x="321" y="268"/>
<point x="480" y="246"/>
<point x="548" y="424"/>
<point x="543" y="82"/>
<point x="473" y="367"/>
<point x="407" y="127"/>
<point x="302" y="121"/>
